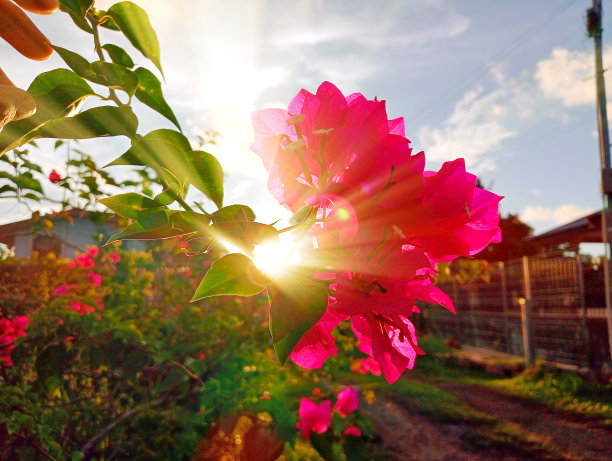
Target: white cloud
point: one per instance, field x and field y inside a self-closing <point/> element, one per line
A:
<point x="475" y="128"/>
<point x="560" y="215"/>
<point x="569" y="76"/>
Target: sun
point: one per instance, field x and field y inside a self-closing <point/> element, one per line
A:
<point x="274" y="257"/>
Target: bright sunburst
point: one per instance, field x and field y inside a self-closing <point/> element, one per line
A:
<point x="273" y="258"/>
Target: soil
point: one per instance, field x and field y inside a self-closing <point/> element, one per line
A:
<point x="406" y="436"/>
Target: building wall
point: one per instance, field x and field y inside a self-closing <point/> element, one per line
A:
<point x="76" y="236"/>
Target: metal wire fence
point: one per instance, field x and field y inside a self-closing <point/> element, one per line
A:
<point x="563" y="314"/>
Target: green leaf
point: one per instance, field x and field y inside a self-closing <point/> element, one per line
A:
<point x="49" y="81"/>
<point x="245" y="233"/>
<point x="27" y="181"/>
<point x="130" y="205"/>
<point x="149" y="92"/>
<point x="134" y="23"/>
<point x="207" y="175"/>
<point x="118" y="55"/>
<point x="92" y="123"/>
<point x="234" y="213"/>
<point x="77" y="9"/>
<point x="190" y="221"/>
<point x="57" y="93"/>
<point x="148" y="227"/>
<point x="296" y="304"/>
<point x="162" y="148"/>
<point x="114" y="76"/>
<point x="75" y="61"/>
<point x="233" y="274"/>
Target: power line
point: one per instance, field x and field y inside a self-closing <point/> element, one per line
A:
<point x="426" y="112"/>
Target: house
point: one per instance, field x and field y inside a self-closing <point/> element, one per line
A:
<point x="62" y="233"/>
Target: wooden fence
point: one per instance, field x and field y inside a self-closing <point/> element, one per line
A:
<point x="550" y="307"/>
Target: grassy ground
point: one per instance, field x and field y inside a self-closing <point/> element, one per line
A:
<point x="422" y="391"/>
<point x="557" y="389"/>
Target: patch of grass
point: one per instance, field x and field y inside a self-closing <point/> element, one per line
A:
<point x="507" y="437"/>
<point x="561" y="390"/>
<point x="436" y="404"/>
<point x="484" y="432"/>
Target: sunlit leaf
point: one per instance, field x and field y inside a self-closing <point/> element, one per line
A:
<point x="233" y="274"/>
<point x="75" y="61"/>
<point x="130" y="205"/>
<point x="245" y="233"/>
<point x="118" y="55"/>
<point x="296" y="304"/>
<point x="150" y="227"/>
<point x="149" y="92"/>
<point x="234" y="212"/>
<point x="134" y="23"/>
<point x="114" y="76"/>
<point x="57" y="93"/>
<point x="159" y="148"/>
<point x="48" y="81"/>
<point x="207" y="175"/>
<point x="92" y="123"/>
<point x="77" y="9"/>
<point x="190" y="221"/>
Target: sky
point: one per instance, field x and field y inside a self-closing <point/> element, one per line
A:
<point x="509" y="86"/>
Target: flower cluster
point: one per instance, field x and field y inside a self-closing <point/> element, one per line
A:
<point x="87" y="261"/>
<point x="383" y="221"/>
<point x="318" y="417"/>
<point x="9" y="332"/>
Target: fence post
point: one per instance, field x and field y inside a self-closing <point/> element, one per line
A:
<point x="525" y="304"/>
<point x="504" y="288"/>
<point x="583" y="309"/>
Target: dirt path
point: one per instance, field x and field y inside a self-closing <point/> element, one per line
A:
<point x="406" y="435"/>
<point x="584" y="439"/>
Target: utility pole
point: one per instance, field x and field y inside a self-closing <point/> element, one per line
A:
<point x="593" y="25"/>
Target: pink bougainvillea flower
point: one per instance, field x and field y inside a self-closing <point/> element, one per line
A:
<point x="382" y="221"/>
<point x="93" y="251"/>
<point x="353" y="431"/>
<point x="54" y="177"/>
<point x="314" y="417"/>
<point x="96" y="279"/>
<point x="84" y="261"/>
<point x="307" y="148"/>
<point x="348" y="401"/>
<point x="318" y="343"/>
<point x="81" y="307"/>
<point x="61" y="290"/>
<point x="114" y="257"/>
<point x="9" y="332"/>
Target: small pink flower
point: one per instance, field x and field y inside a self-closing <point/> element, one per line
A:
<point x="72" y="264"/>
<point x="96" y="279"/>
<point x="114" y="257"/>
<point x="61" y="290"/>
<point x="93" y="251"/>
<point x="348" y="401"/>
<point x="314" y="417"/>
<point x="54" y="177"/>
<point x="353" y="430"/>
